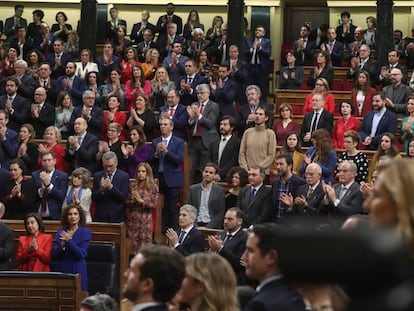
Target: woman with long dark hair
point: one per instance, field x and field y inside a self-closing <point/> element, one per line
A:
<point x="136" y="150"/>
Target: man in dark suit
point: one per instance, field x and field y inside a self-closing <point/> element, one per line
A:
<point x="71" y="83"/>
<point x="255" y="199"/>
<point x="175" y="63"/>
<point x="333" y="47"/>
<point x="170" y="17"/>
<point x="258" y="52"/>
<point x="111" y="25"/>
<point x="188" y="83"/>
<point x="51" y="186"/>
<point x="319" y="35"/>
<point x="304" y="47"/>
<point x="261" y="261"/>
<point x="25" y="81"/>
<point x="108" y="61"/>
<point x="393" y="62"/>
<point x="110" y="190"/>
<point x="16" y="106"/>
<point x="370" y="134"/>
<point x="11" y="23"/>
<point x="81" y="149"/>
<point x="42" y="112"/>
<point x="231" y="243"/>
<point x="219" y="48"/>
<point x="47" y="82"/>
<point x="165" y="42"/>
<point x="239" y="72"/>
<point x="22" y="43"/>
<point x="58" y="59"/>
<point x="90" y="112"/>
<point x="287" y="183"/>
<point x="188" y="240"/>
<point x="177" y="112"/>
<point x="208" y="199"/>
<point x="146" y="44"/>
<point x="7" y="236"/>
<point x="138" y="29"/>
<point x="318" y="118"/>
<point x="197" y="44"/>
<point x="162" y="269"/>
<point x="9" y="141"/>
<point x="223" y="151"/>
<point x="202" y="118"/>
<point x="364" y="62"/>
<point x="167" y="155"/>
<point x="223" y="91"/>
<point x="345" y="198"/>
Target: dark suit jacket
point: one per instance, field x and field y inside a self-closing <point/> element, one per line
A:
<point x="46" y="118"/>
<point x="105" y="69"/>
<point x="164" y="47"/>
<point x="18" y="207"/>
<point x="26" y="87"/>
<point x="21" y="109"/>
<point x="6" y="246"/>
<point x="347" y="37"/>
<point x="203" y="45"/>
<point x="315" y="201"/>
<point x="28" y="45"/>
<point x="78" y="87"/>
<point x="225" y="97"/>
<point x="244" y="112"/>
<point x="276" y="295"/>
<point x="259" y="210"/>
<point x="193" y="243"/>
<point x="9" y="30"/>
<point x="178" y="71"/>
<point x="327" y="73"/>
<point x="404" y="71"/>
<point x="85" y="155"/>
<point x="140" y="50"/>
<point x="187" y="98"/>
<point x="9" y="147"/>
<point x="4" y="176"/>
<point x="388" y="123"/>
<point x="180" y="119"/>
<point x="110" y="31"/>
<point x="137" y="35"/>
<point x="263" y="53"/>
<point x="373" y="68"/>
<point x="162" y="27"/>
<point x="173" y="159"/>
<point x="94" y="123"/>
<point x="60" y="70"/>
<point x="325" y="122"/>
<point x="337" y="52"/>
<point x="56" y="196"/>
<point x="240" y="78"/>
<point x="305" y="57"/>
<point x="110" y="204"/>
<point x="216" y="203"/>
<point x="233" y="250"/>
<point x="229" y="156"/>
<point x="208" y="124"/>
<point x="52" y="90"/>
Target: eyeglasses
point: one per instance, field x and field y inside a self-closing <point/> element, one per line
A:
<point x="39" y="94"/>
<point x="319" y="84"/>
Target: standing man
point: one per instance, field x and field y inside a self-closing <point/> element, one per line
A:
<point x="167" y="155"/>
<point x="138" y="30"/>
<point x="208" y="199"/>
<point x="223" y="91"/>
<point x="364" y="62"/>
<point x="202" y="118"/>
<point x="58" y="59"/>
<point x="175" y="63"/>
<point x="47" y="82"/>
<point x="261" y="261"/>
<point x="258" y="144"/>
<point x="177" y="112"/>
<point x="231" y="243"/>
<point x="9" y="141"/>
<point x="42" y="112"/>
<point x="377" y="122"/>
<point x="51" y="185"/>
<point x="108" y="61"/>
<point x="258" y="51"/>
<point x="393" y="62"/>
<point x="333" y="47"/>
<point x="168" y="18"/>
<point x="397" y="94"/>
<point x="222" y="151"/>
<point x="255" y="199"/>
<point x="72" y="83"/>
<point x="12" y="23"/>
<point x="154" y="277"/>
<point x="110" y="190"/>
<point x="239" y="72"/>
<point x="113" y="23"/>
<point x="7" y="237"/>
<point x="304" y="48"/>
<point x="187" y="84"/>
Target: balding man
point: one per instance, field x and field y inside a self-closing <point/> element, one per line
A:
<point x="138" y="30"/>
<point x="397" y="94"/>
<point x="42" y="112"/>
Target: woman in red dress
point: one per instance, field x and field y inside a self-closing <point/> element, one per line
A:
<point x="346" y="123"/>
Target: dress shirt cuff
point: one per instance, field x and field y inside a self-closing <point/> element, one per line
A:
<point x="336" y="202"/>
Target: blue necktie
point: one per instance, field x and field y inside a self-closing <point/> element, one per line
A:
<point x="181" y="236"/>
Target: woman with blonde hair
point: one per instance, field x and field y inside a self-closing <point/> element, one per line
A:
<point x="321" y="87"/>
<point x="209" y="283"/>
<point x="152" y="62"/>
<point x="52" y="138"/>
<point x="160" y="87"/>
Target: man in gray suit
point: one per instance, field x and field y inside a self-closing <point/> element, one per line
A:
<point x="208" y="198"/>
<point x="203" y="116"/>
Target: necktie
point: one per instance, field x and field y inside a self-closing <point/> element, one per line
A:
<point x="310" y="192"/>
<point x="43" y="206"/>
<point x="44" y="83"/>
<point x="181" y="236"/>
<point x="189" y="80"/>
<point x="252" y="194"/>
<point x="314" y="122"/>
<point x="171" y="111"/>
<point x="110" y="176"/>
<point x="342" y="193"/>
<point x="198" y="127"/>
<point x="227" y="238"/>
<point x="80" y="140"/>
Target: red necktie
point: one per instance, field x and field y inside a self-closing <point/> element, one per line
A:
<point x="171" y="112"/>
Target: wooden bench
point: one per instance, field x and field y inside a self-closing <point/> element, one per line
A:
<point x="42" y="291"/>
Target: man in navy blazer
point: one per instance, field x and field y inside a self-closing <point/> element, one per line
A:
<point x="177" y="112"/>
<point x="239" y="72"/>
<point x="223" y="91"/>
<point x="170" y="17"/>
<point x="9" y="142"/>
<point x="51" y="187"/>
<point x="175" y="63"/>
<point x="71" y="83"/>
<point x="304" y="47"/>
<point x="333" y="47"/>
<point x="111" y="25"/>
<point x="138" y="29"/>
<point x="258" y="51"/>
<point x="231" y="243"/>
<point x="108" y="61"/>
<point x="42" y="112"/>
<point x="154" y="277"/>
<point x="110" y="190"/>
<point x="12" y="23"/>
<point x="188" y="240"/>
<point x="364" y="62"/>
<point x="261" y="261"/>
<point x="370" y="135"/>
<point x="58" y="59"/>
<point x="167" y="155"/>
<point x="187" y="84"/>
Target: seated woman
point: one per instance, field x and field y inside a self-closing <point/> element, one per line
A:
<point x="28" y="149"/>
<point x="286" y="124"/>
<point x="113" y="115"/>
<point x="407" y="125"/>
<point x="321" y="87"/>
<point x="136" y="151"/>
<point x="321" y="70"/>
<point x="143" y="116"/>
<point x="19" y="191"/>
<point x="322" y="153"/>
<point x="291" y="76"/>
<point x="236" y="178"/>
<point x="34" y="59"/>
<point x="351" y="141"/>
<point x="362" y="93"/>
<point x="152" y="62"/>
<point x="143" y="203"/>
<point x="291" y="146"/>
<point x="70" y="249"/>
<point x="137" y="85"/>
<point x="63" y="112"/>
<point x="79" y="193"/>
<point x="346" y="123"/>
<point x="34" y="250"/>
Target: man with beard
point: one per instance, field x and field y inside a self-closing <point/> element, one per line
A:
<point x="153" y="278"/>
<point x="72" y="84"/>
<point x="397" y="94"/>
<point x="286" y="182"/>
<point x="377" y="122"/>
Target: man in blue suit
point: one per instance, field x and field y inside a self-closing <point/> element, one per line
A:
<point x="167" y="155"/>
<point x="261" y="262"/>
<point x="58" y="59"/>
<point x="223" y="91"/>
<point x="187" y="84"/>
<point x="258" y="51"/>
<point x="110" y="190"/>
<point x="72" y="84"/>
<point x="8" y="140"/>
<point x="177" y="112"/>
<point x="51" y="186"/>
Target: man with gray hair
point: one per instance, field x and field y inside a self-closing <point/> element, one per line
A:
<point x="110" y="190"/>
<point x="203" y="117"/>
<point x="188" y="239"/>
<point x="6" y="242"/>
<point x="345" y="198"/>
<point x="197" y="44"/>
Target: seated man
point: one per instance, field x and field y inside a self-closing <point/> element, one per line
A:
<point x="188" y="239"/>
